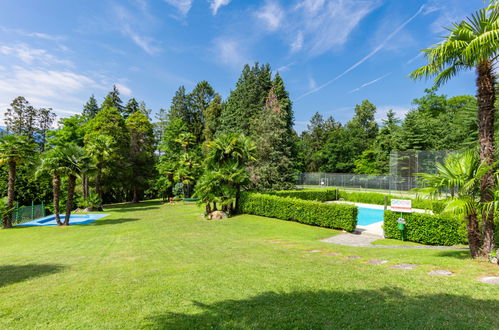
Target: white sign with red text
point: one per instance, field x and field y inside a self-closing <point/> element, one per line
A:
<point x="401" y="205"/>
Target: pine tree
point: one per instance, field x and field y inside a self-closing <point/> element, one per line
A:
<point x="274" y="168"/>
<point x="212" y="120"/>
<point x="131" y="107"/>
<point x="247" y="100"/>
<point x="91" y="108"/>
<point x="113" y="100"/>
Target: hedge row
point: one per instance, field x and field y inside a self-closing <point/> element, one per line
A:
<point x="436" y="206"/>
<point x="427" y="229"/>
<point x="321" y="195"/>
<point x="339" y="216"/>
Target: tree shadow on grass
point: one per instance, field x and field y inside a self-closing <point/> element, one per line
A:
<point x="360" y="309"/>
<point x="114" y="221"/>
<point x="10" y="274"/>
<point x="127" y="208"/>
<point x="459" y="254"/>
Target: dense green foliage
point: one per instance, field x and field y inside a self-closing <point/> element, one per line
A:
<point x="360" y="147"/>
<point x="427" y="229"/>
<point x="308" y="212"/>
<point x="320" y="195"/>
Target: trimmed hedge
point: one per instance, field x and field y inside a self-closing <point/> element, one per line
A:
<point x="427" y="229"/>
<point x="339" y="216"/>
<point x="321" y="195"/>
<point x="436" y="206"/>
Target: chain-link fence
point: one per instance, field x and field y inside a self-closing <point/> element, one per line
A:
<point x="26" y="213"/>
<point x="358" y="181"/>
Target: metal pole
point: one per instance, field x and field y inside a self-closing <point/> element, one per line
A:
<point x="32" y="209"/>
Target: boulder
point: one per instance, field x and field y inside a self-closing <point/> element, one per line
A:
<point x="217" y="215"/>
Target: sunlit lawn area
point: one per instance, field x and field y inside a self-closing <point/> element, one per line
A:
<point x="154" y="266"/>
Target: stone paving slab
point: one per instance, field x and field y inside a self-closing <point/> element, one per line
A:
<point x="377" y="262"/>
<point x="353" y="257"/>
<point x="315" y="251"/>
<point x="333" y="254"/>
<point x="441" y="272"/>
<point x="490" y="280"/>
<point x="404" y="266"/>
<point x="365" y="240"/>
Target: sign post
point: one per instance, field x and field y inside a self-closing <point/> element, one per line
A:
<point x="402" y="206"/>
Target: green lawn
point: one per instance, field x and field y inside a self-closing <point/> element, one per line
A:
<point x="153" y="266"/>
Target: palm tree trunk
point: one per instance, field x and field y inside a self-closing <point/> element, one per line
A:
<point x="7" y="220"/>
<point x="473" y="235"/>
<point x="56" y="192"/>
<point x="69" y="204"/>
<point x="98" y="190"/>
<point x="486" y="116"/>
<point x="84" y="183"/>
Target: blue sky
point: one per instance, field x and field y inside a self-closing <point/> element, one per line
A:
<point x="331" y="54"/>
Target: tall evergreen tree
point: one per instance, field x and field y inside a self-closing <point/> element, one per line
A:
<point x="274" y="167"/>
<point x="212" y="118"/>
<point x="199" y="100"/>
<point x="113" y="100"/>
<point x="91" y="108"/>
<point x="21" y="118"/>
<point x="141" y="155"/>
<point x="247" y="100"/>
<point x="131" y="107"/>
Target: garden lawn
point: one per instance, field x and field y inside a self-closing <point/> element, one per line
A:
<point x="154" y="266"/>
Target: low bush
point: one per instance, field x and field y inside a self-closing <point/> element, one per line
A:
<point x="443" y="229"/>
<point x="321" y="195"/>
<point x="339" y="216"/>
<point x="436" y="206"/>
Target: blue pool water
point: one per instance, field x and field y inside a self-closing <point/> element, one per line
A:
<point x="368" y="216"/>
<point x="75" y="219"/>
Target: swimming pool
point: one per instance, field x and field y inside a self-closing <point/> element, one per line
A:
<point x="368" y="216"/>
<point x="75" y="219"/>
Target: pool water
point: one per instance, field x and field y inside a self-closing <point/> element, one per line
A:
<point x="74" y="219"/>
<point x="369" y="216"/>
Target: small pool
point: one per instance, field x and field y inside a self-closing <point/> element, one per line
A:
<point x="368" y="216"/>
<point x="75" y="219"/>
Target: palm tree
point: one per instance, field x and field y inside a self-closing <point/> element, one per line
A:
<point x="473" y="44"/>
<point x="75" y="158"/>
<point x="227" y="156"/>
<point x="53" y="163"/>
<point x="14" y="150"/>
<point x="462" y="173"/>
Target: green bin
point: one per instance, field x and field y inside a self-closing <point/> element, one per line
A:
<point x="401" y="226"/>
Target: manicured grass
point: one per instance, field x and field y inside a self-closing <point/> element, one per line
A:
<point x="389" y="241"/>
<point x="153" y="266"/>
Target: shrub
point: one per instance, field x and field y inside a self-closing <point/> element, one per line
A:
<point x="339" y="216"/>
<point x="436" y="206"/>
<point x="321" y="195"/>
<point x="443" y="229"/>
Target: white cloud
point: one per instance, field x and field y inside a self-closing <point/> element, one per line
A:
<point x="400" y="111"/>
<point x="368" y="56"/>
<point x="126" y="19"/>
<point x="312" y="84"/>
<point x="124" y="89"/>
<point x="229" y="52"/>
<point x="38" y="35"/>
<point x="327" y="25"/>
<point x="30" y="55"/>
<point x="216" y="4"/>
<point x="297" y="44"/>
<point x="183" y="6"/>
<point x="271" y="14"/>
<point x="372" y="82"/>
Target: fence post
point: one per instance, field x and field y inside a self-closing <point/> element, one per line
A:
<point x="43" y="210"/>
<point x="17" y="211"/>
<point x="32" y="209"/>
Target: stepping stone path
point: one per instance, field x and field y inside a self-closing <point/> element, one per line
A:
<point x="315" y="251"/>
<point x="490" y="280"/>
<point x="353" y="257"/>
<point x="377" y="262"/>
<point x="333" y="254"/>
<point x="441" y="272"/>
<point x="404" y="266"/>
